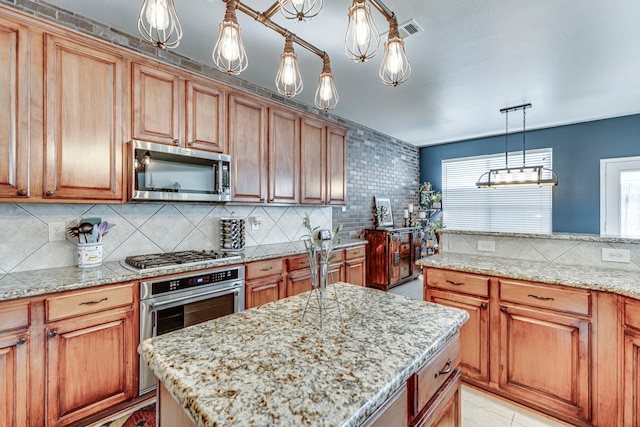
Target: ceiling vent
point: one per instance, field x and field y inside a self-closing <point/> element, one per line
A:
<point x="409" y="28"/>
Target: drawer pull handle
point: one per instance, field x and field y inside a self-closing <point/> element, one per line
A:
<point x="98" y="301"/>
<point x="53" y="334"/>
<point x="266" y="269"/>
<point x="455" y="283"/>
<point x="21" y="341"/>
<point x="542" y="298"/>
<point x="483" y="305"/>
<point x="22" y="192"/>
<point x="446" y="371"/>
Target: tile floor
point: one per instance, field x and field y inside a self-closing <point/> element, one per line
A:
<point x="480" y="409"/>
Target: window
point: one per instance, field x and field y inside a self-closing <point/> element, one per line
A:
<point x="620" y="197"/>
<point x="511" y="209"/>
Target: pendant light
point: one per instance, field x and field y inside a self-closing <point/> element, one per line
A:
<point x="362" y="39"/>
<point x="158" y="23"/>
<point x="288" y="79"/>
<point x="395" y="67"/>
<point x="300" y="10"/>
<point x="517" y="176"/>
<point x="228" y="53"/>
<point x="326" y="94"/>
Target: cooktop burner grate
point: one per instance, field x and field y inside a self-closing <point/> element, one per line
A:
<point x="171" y="259"/>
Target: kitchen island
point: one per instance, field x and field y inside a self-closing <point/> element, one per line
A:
<point x="269" y="366"/>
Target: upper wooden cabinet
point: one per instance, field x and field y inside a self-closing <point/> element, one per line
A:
<point x="14" y="110"/>
<point x="336" y="166"/>
<point x="83" y="121"/>
<point x="313" y="162"/>
<point x="170" y="107"/>
<point x="283" y="160"/>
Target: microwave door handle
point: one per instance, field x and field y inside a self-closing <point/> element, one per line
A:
<point x="219" y="173"/>
<point x="156" y="305"/>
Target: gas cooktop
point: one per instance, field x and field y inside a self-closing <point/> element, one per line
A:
<point x="167" y="260"/>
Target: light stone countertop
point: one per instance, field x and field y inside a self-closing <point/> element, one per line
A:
<point x="269" y="367"/>
<point x="51" y="280"/>
<point x="610" y="280"/>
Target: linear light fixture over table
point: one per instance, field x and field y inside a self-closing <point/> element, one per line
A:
<point x="158" y="24"/>
<point x="516" y="176"/>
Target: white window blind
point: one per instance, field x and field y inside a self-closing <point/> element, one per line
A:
<point x="511" y="209"/>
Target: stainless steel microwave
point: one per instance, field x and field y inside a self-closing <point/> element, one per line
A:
<point x="167" y="173"/>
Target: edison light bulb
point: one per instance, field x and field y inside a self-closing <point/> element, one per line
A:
<point x="326" y="94"/>
<point x="496" y="178"/>
<point x="361" y="32"/>
<point x="394" y="59"/>
<point x="289" y="71"/>
<point x="508" y="177"/>
<point x="297" y="3"/>
<point x="230" y="49"/>
<point x="158" y="14"/>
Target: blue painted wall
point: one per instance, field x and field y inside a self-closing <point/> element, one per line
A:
<point x="577" y="150"/>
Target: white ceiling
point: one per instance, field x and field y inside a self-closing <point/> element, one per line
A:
<point x="574" y="60"/>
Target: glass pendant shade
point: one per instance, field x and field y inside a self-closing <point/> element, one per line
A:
<point x="395" y="67"/>
<point x="229" y="54"/>
<point x="288" y="79"/>
<point x="362" y="38"/>
<point x="300" y="10"/>
<point x="326" y="94"/>
<point x="158" y="24"/>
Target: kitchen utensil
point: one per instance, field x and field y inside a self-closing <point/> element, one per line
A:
<point x="102" y="229"/>
<point x="85" y="229"/>
<point x="92" y="220"/>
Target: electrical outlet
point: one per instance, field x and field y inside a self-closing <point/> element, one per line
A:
<point x="56" y="231"/>
<point x="616" y="255"/>
<point x="486" y="246"/>
<point x="344" y="208"/>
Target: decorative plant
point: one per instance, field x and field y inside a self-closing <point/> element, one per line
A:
<point x="435" y="226"/>
<point x="314" y="242"/>
<point x="436" y="197"/>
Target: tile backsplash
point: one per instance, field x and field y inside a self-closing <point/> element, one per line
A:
<point x="581" y="250"/>
<point x="140" y="228"/>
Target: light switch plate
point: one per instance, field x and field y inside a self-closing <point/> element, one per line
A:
<point x="486" y="246"/>
<point x="616" y="255"/>
<point x="56" y="231"/>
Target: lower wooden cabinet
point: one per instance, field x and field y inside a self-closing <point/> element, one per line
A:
<point x="264" y="282"/>
<point x="445" y="409"/>
<point x="631" y="378"/>
<point x="355" y="266"/>
<point x="14" y="377"/>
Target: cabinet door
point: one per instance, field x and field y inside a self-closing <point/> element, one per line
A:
<point x="312" y="162"/>
<point x="474" y="334"/>
<point x="337" y="272"/>
<point x="247" y="146"/>
<point x="14" y="369"/>
<point x="262" y="291"/>
<point x="14" y="110"/>
<point x="90" y="363"/>
<point x="156" y="105"/>
<point x="299" y="282"/>
<point x="284" y="160"/>
<point x="336" y="167"/>
<point x="355" y="271"/>
<point x="205" y="117"/>
<point x="395" y="264"/>
<point x="545" y="359"/>
<point x="631" y="395"/>
<point x="445" y="409"/>
<point x="83" y="142"/>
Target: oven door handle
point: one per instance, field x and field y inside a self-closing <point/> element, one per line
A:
<point x="155" y="305"/>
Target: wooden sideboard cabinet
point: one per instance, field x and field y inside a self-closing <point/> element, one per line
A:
<point x="391" y="256"/>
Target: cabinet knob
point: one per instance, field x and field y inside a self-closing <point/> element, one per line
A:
<point x="190" y="143"/>
<point x="282" y="278"/>
<point x="53" y="334"/>
<point x="176" y="141"/>
<point x="50" y="193"/>
<point x="503" y="309"/>
<point x="262" y="200"/>
<point x="22" y="192"/>
<point x="21" y="341"/>
<point x="271" y="199"/>
<point x="483" y="305"/>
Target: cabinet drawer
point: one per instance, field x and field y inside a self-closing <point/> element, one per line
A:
<point x="85" y="302"/>
<point x="14" y="316"/>
<point x="263" y="269"/>
<point x="393" y="412"/>
<point x="354" y="252"/>
<point x="298" y="263"/>
<point x="459" y="282"/>
<point x="552" y="298"/>
<point x="338" y="256"/>
<point x="632" y="313"/>
<point x="435" y="372"/>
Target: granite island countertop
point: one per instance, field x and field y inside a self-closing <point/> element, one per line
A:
<point x="268" y="366"/>
<point x="51" y="280"/>
<point x="620" y="282"/>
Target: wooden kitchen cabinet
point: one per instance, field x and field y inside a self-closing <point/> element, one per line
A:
<point x="298" y="275"/>
<point x="90" y="358"/>
<point x="630" y="407"/>
<point x="14" y="110"/>
<point x="336" y="167"/>
<point x="391" y="256"/>
<point x="355" y="266"/>
<point x="15" y="348"/>
<point x="247" y="146"/>
<point x="177" y="108"/>
<point x="283" y="160"/>
<point x="83" y="126"/>
<point x="313" y="162"/>
<point x="264" y="282"/>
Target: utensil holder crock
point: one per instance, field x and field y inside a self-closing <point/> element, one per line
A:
<point x="89" y="255"/>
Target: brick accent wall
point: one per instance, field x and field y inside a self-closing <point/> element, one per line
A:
<point x="377" y="165"/>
